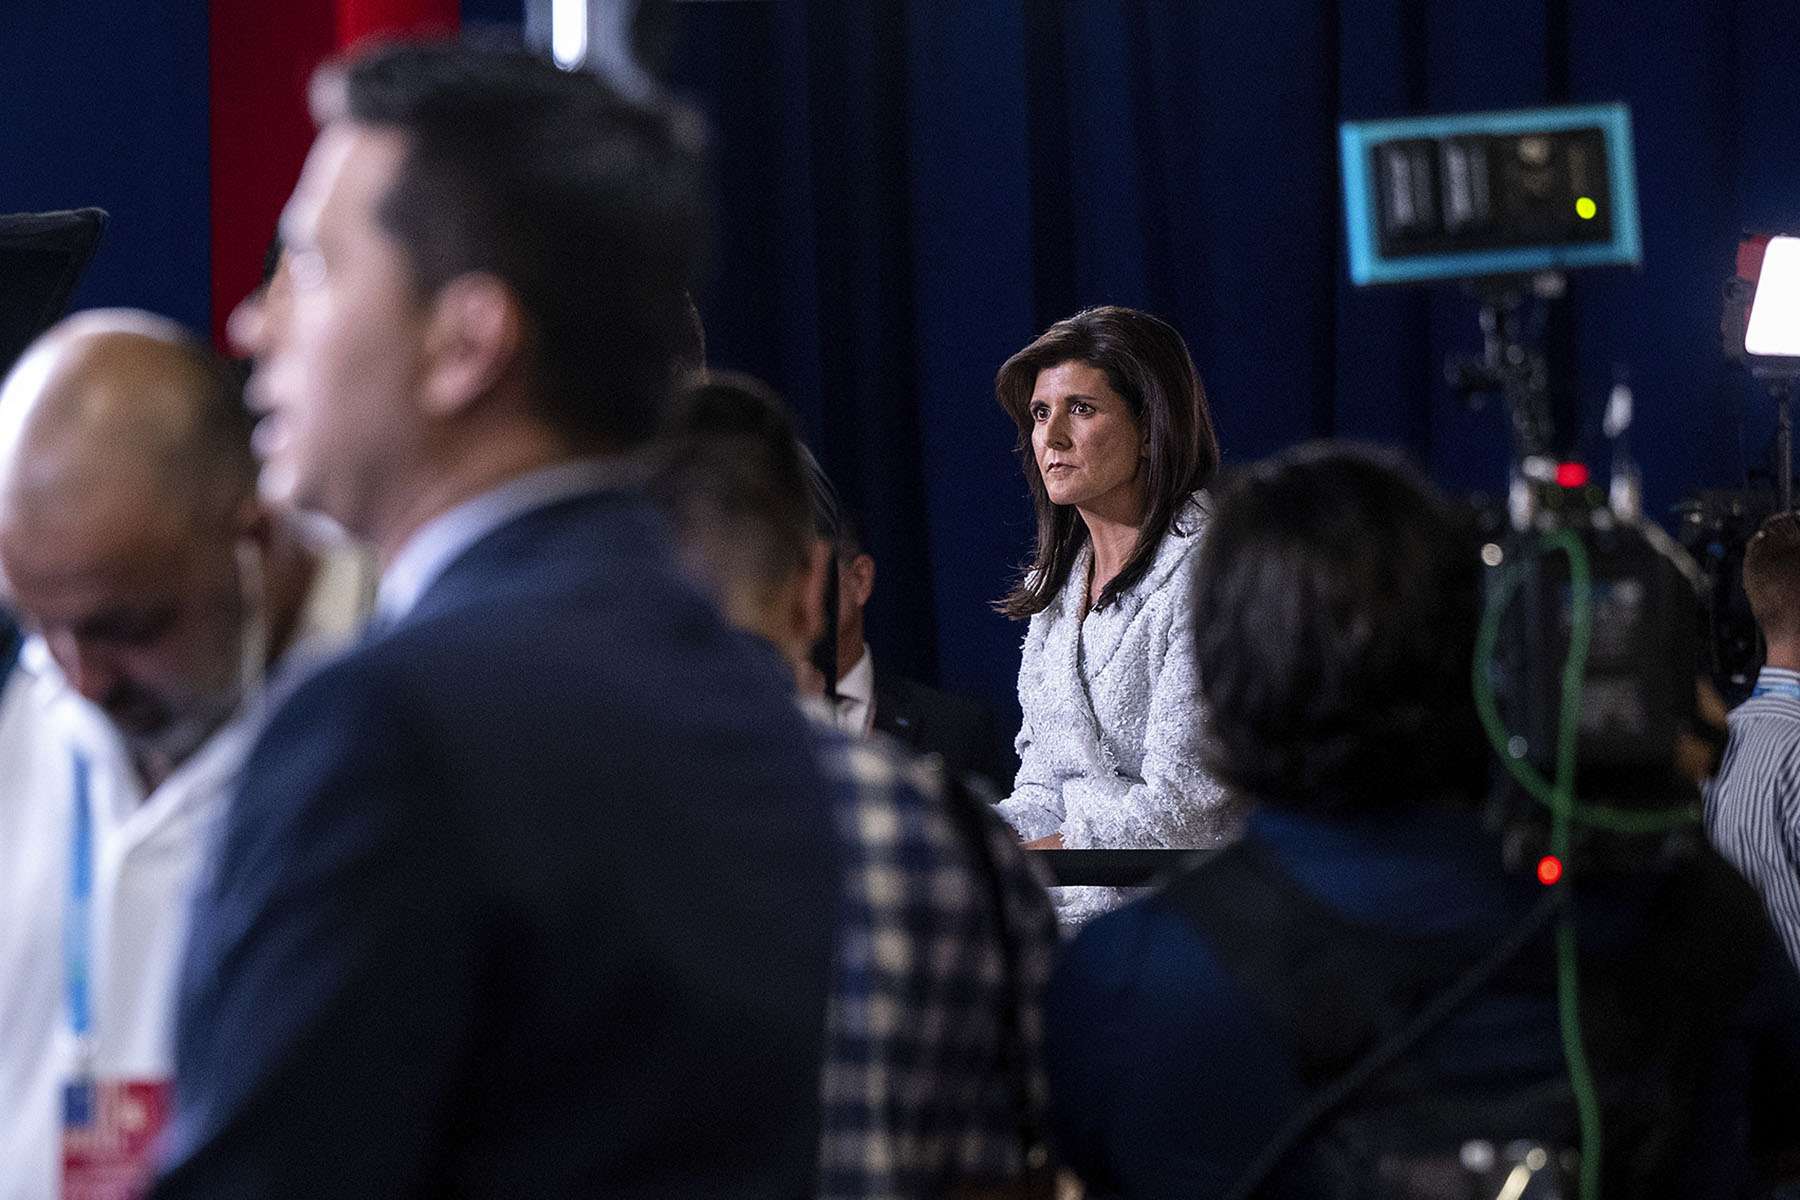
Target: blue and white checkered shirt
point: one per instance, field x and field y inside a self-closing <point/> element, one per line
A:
<point x="1753" y="808"/>
<point x="918" y="1088"/>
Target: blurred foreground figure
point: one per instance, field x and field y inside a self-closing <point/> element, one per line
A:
<point x="530" y="894"/>
<point x="159" y="591"/>
<point x="933" y="1081"/>
<point x="1336" y="612"/>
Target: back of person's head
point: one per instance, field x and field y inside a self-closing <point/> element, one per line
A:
<point x="1148" y="365"/>
<point x="1772" y="577"/>
<point x="590" y="207"/>
<point x="731" y="473"/>
<point x="1336" y="611"/>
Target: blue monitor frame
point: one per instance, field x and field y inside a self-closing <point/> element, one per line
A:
<point x="1368" y="266"/>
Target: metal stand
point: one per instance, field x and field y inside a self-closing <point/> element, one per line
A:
<point x="1783" y="391"/>
<point x="1510" y="367"/>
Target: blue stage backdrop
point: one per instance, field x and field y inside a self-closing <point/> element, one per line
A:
<point x="911" y="190"/>
<point x="105" y="103"/>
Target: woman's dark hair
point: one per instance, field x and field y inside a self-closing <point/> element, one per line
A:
<point x="1148" y="365"/>
<point x="1335" y="610"/>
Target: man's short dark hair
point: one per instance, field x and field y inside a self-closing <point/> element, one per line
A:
<point x="731" y="473"/>
<point x="1772" y="576"/>
<point x="591" y="207"/>
<point x="1336" y="610"/>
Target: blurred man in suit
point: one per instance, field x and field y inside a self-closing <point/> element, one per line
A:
<point x="500" y="923"/>
<point x="933" y="1079"/>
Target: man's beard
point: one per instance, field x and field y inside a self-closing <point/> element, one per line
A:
<point x="178" y="737"/>
<point x="161" y="734"/>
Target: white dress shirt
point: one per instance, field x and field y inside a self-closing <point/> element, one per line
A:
<point x="34" y="837"/>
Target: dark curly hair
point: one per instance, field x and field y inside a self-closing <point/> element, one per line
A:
<point x="1148" y="365"/>
<point x="1336" y="611"/>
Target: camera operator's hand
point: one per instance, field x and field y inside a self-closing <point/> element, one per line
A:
<point x="1700" y="746"/>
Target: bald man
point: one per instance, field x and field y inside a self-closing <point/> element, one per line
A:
<point x="162" y="599"/>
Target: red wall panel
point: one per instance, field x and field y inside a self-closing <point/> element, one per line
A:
<point x="261" y="54"/>
<point x="358" y="19"/>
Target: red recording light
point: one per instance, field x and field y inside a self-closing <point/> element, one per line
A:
<point x="1571" y="475"/>
<point x="1549" y="869"/>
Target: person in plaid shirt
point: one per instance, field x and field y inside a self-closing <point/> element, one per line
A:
<point x="933" y="1080"/>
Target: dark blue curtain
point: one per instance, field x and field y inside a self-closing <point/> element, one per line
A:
<point x="105" y="103"/>
<point x="909" y="191"/>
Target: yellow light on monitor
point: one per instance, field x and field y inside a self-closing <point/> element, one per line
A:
<point x="1585" y="208"/>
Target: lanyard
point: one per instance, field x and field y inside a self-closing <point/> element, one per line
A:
<point x="78" y="928"/>
<point x="1777" y="687"/>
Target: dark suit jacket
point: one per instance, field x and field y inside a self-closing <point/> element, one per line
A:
<point x="955" y="728"/>
<point x="530" y="897"/>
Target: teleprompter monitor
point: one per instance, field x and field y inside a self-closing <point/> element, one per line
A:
<point x="1489" y="194"/>
<point x="42" y="258"/>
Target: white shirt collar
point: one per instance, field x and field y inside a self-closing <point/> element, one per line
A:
<point x="435" y="544"/>
<point x="856" y="696"/>
<point x="859" y="680"/>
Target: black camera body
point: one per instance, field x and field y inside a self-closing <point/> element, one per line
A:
<point x="1632" y="624"/>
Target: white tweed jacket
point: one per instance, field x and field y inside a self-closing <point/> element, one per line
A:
<point x="1109" y="749"/>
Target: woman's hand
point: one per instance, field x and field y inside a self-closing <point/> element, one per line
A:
<point x="1052" y="842"/>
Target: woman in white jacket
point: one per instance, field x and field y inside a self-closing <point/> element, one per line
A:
<point x="1117" y="446"/>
